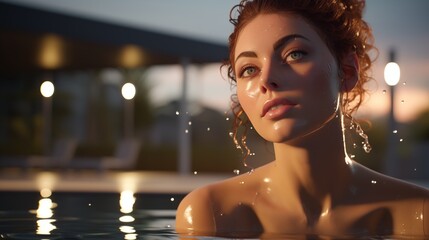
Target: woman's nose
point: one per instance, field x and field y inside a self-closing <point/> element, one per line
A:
<point x="270" y="78"/>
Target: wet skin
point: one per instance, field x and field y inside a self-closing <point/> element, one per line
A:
<point x="288" y="85"/>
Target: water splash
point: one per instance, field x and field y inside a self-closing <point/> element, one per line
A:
<point x="365" y="144"/>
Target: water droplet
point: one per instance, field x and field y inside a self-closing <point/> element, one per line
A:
<point x="227" y="119"/>
<point x="354" y="145"/>
<point x="177" y="112"/>
<point x="384" y="91"/>
<point x="89" y="204"/>
<point x="401" y="140"/>
<point x="251" y="128"/>
<point x="208" y="129"/>
<point x="172" y="199"/>
<point x="404" y="83"/>
<point x="168" y="226"/>
<point x="415" y="169"/>
<point x="402" y="101"/>
<point x="373" y="182"/>
<point x="252" y="154"/>
<point x="352" y="156"/>
<point x="231" y="134"/>
<point x="189" y="123"/>
<point x="241" y="183"/>
<point x="186" y="131"/>
<point x="395" y="131"/>
<point x="236" y="171"/>
<point x="195" y="172"/>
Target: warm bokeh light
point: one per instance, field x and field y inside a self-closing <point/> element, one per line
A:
<point x="392" y="73"/>
<point x="47" y="89"/>
<point x="51" y="52"/>
<point x="132" y="56"/>
<point x="128" y="91"/>
<point x="46" y="180"/>
<point x="45" y="192"/>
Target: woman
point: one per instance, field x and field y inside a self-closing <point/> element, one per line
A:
<point x="299" y="68"/>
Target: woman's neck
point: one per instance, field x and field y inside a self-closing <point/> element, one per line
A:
<point x="316" y="165"/>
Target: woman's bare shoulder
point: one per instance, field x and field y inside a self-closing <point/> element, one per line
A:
<point x="194" y="215"/>
<point x="388" y="186"/>
<point x="196" y="212"/>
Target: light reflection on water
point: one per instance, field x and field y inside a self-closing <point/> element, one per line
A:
<point x="75" y="215"/>
<point x="67" y="215"/>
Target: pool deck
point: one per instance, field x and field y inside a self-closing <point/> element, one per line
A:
<point x="110" y="181"/>
<point x="106" y="181"/>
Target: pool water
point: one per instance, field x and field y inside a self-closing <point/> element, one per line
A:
<point x="74" y="215"/>
<point x="99" y="215"/>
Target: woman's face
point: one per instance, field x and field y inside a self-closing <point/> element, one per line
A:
<point x="287" y="79"/>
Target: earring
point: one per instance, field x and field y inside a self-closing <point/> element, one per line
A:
<point x="358" y="129"/>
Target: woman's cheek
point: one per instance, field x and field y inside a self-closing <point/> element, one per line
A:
<point x="250" y="89"/>
<point x="247" y="96"/>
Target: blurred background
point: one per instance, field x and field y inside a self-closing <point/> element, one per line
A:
<point x="137" y="85"/>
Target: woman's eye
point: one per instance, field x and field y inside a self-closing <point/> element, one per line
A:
<point x="295" y="56"/>
<point x="248" y="71"/>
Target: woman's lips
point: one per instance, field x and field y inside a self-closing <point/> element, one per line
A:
<point x="275" y="108"/>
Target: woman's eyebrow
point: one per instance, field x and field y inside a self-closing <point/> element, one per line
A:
<point x="286" y="39"/>
<point x="279" y="43"/>
<point x="246" y="54"/>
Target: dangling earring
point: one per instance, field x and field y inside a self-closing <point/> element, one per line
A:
<point x="358" y="129"/>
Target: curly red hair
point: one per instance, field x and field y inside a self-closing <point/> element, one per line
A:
<point x="339" y="23"/>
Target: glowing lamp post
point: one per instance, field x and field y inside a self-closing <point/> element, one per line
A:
<point x="47" y="89"/>
<point x="392" y="75"/>
<point x="128" y="93"/>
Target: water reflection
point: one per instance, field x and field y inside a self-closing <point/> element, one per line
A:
<point x="44" y="213"/>
<point x="126" y="203"/>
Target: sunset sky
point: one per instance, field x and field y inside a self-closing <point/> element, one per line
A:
<point x="398" y="24"/>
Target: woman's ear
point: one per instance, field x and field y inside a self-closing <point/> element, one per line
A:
<point x="350" y="69"/>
